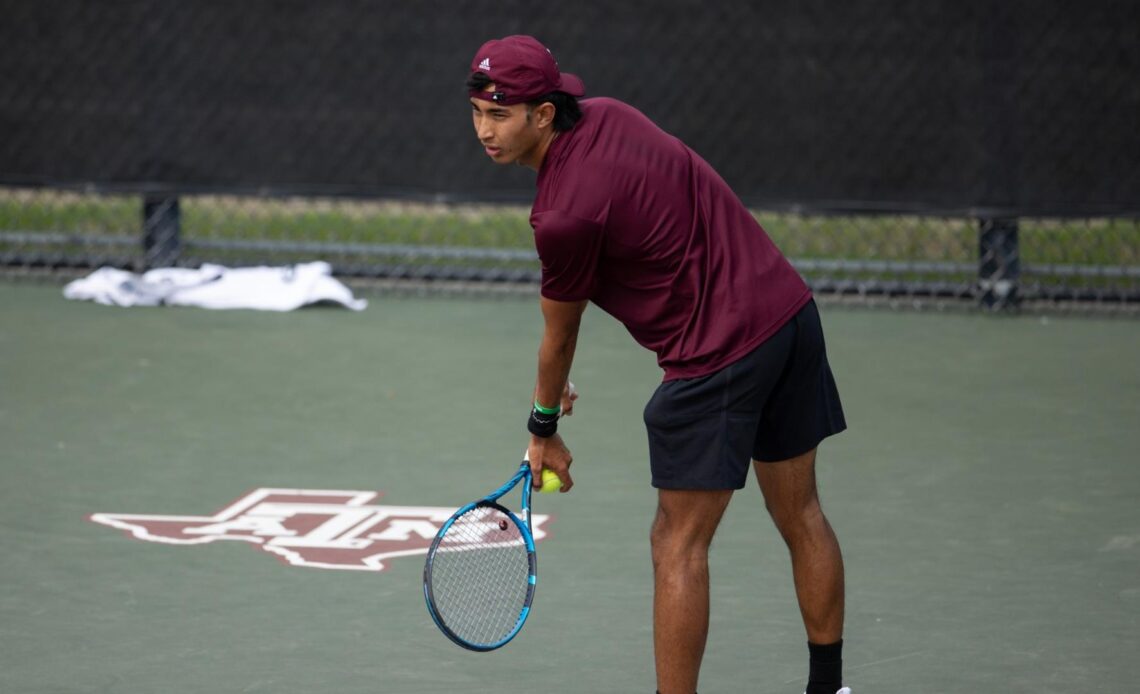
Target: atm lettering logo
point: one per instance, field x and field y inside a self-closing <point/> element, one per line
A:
<point x="321" y="529"/>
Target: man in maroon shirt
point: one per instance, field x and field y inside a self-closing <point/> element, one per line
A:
<point x="628" y="217"/>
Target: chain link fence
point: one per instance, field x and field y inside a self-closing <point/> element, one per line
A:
<point x="941" y="153"/>
<point x="916" y="261"/>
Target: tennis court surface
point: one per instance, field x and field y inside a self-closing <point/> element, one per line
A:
<point x="985" y="496"/>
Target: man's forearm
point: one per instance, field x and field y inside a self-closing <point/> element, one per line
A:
<point x="555" y="356"/>
<point x="556" y="352"/>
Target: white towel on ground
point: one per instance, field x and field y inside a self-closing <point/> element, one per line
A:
<point x="214" y="286"/>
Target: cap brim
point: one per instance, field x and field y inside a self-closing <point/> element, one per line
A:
<point x="573" y="85"/>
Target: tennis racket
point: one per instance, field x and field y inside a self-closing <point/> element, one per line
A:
<point x="480" y="572"/>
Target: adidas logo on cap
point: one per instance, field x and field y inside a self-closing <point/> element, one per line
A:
<point x="486" y="64"/>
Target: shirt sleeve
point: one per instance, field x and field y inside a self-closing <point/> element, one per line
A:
<point x="569" y="248"/>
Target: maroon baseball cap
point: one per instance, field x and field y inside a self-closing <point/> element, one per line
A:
<point x="522" y="70"/>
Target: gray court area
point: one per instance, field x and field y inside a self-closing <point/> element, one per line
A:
<point x="985" y="495"/>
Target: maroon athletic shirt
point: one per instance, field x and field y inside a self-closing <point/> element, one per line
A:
<point x="630" y="218"/>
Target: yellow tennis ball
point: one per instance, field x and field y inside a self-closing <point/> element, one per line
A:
<point x="550" y="482"/>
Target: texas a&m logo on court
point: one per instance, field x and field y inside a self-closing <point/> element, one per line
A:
<point x="323" y="529"/>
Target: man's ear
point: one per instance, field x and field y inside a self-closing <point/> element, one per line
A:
<point x="544" y="114"/>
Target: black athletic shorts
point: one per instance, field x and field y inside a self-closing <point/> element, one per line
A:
<point x="775" y="403"/>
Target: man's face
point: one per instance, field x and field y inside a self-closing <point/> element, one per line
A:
<point x="508" y="134"/>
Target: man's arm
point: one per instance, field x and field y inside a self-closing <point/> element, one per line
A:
<point x="555" y="356"/>
<point x="556" y="353"/>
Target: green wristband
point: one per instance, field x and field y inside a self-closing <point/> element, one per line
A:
<point x="546" y="410"/>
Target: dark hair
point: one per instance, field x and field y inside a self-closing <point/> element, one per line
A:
<point x="567" y="113"/>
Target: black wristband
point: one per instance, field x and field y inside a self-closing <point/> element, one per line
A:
<point x="542" y="425"/>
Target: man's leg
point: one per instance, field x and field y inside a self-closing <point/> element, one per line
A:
<point x="817" y="564"/>
<point x="682" y="532"/>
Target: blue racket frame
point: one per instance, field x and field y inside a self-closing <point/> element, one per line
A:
<point x="523" y="524"/>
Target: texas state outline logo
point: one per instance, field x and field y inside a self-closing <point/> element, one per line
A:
<point x="317" y="528"/>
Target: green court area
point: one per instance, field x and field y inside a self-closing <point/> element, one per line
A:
<point x="986" y="496"/>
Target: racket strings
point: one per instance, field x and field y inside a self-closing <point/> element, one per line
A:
<point x="480" y="576"/>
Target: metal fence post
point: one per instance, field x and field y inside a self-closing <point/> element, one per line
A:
<point x="999" y="264"/>
<point x="162" y="231"/>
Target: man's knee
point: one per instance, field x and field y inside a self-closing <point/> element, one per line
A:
<point x="685" y="524"/>
<point x="796" y="519"/>
<point x="672" y="538"/>
<point x="790" y="495"/>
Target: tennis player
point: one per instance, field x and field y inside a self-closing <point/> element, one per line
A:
<point x="628" y="217"/>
